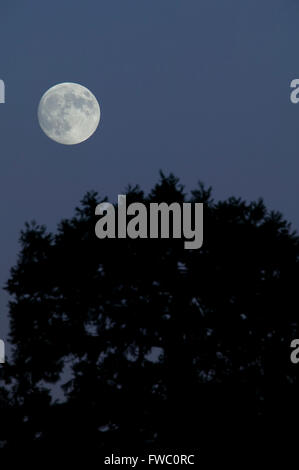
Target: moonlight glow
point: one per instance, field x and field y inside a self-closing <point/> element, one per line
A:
<point x="68" y="113"/>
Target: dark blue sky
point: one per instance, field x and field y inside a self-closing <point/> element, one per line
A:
<point x="197" y="87"/>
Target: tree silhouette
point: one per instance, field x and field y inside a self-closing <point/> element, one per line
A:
<point x="154" y="345"/>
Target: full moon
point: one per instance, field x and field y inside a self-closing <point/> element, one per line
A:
<point x="68" y="113"/>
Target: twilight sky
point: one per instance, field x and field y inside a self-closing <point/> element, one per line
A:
<point x="199" y="88"/>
